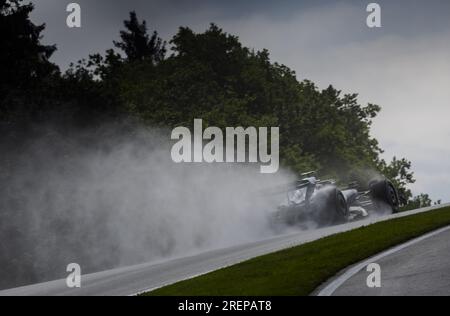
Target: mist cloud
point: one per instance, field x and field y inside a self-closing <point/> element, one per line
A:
<point x="111" y="198"/>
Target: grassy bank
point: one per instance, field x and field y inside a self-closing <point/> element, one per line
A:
<point x="300" y="270"/>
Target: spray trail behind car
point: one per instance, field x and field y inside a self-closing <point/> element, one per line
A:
<point x="114" y="198"/>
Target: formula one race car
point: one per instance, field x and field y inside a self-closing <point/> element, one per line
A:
<point x="322" y="202"/>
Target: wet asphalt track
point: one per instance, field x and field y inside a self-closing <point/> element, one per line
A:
<point x="139" y="278"/>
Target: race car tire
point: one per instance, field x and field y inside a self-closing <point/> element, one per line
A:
<point x="341" y="207"/>
<point x="335" y="210"/>
<point x="384" y="195"/>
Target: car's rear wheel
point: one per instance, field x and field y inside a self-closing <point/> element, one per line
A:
<point x="385" y="195"/>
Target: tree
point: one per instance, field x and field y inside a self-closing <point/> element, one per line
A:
<point x="213" y="76"/>
<point x="399" y="172"/>
<point x="24" y="65"/>
<point x="137" y="44"/>
<point x="22" y="57"/>
<point x="422" y="200"/>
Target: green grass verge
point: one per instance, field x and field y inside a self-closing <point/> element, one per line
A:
<point x="300" y="270"/>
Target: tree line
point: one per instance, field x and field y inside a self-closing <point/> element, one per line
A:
<point x="208" y="75"/>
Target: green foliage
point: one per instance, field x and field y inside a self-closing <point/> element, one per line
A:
<point x="208" y="75"/>
<point x="212" y="76"/>
<point x="422" y="200"/>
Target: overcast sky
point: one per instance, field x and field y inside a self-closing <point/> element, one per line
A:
<point x="403" y="66"/>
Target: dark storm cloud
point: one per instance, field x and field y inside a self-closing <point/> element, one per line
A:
<point x="102" y="19"/>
